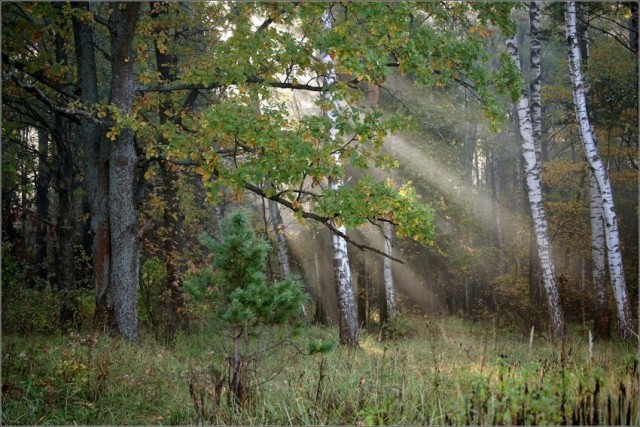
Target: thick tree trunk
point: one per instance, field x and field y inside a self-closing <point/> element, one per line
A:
<point x="123" y="183"/>
<point x="42" y="205"/>
<point x="612" y="238"/>
<point x="341" y="268"/>
<point x="390" y="292"/>
<point x="96" y="173"/>
<point x="532" y="176"/>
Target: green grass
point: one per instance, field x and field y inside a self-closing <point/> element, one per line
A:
<point x="449" y="371"/>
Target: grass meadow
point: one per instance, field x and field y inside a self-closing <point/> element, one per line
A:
<point x="435" y="372"/>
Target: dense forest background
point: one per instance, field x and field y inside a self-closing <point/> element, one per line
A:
<point x="377" y="147"/>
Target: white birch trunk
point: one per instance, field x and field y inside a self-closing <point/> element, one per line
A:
<point x="390" y="293"/>
<point x="532" y="176"/>
<point x="601" y="176"/>
<point x="341" y="268"/>
<point x="598" y="258"/>
<point x="535" y="85"/>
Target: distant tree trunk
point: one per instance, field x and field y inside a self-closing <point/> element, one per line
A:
<point x="96" y="173"/>
<point x="363" y="294"/>
<point x="602" y="322"/>
<point x="494" y="177"/>
<point x="123" y="165"/>
<point x="390" y="292"/>
<point x="470" y="143"/>
<point x="320" y="315"/>
<point x="601" y="175"/>
<point x="42" y="205"/>
<point x="173" y="217"/>
<point x="582" y="28"/>
<point x="341" y="268"/>
<point x="65" y="177"/>
<point x="9" y="232"/>
<point x="66" y="258"/>
<point x="532" y="172"/>
<point x="281" y="240"/>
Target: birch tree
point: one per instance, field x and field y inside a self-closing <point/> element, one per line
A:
<point x="598" y="259"/>
<point x="390" y="292"/>
<point x="602" y="321"/>
<point x="601" y="176"/>
<point x="532" y="177"/>
<point x="341" y="269"/>
<point x="535" y="86"/>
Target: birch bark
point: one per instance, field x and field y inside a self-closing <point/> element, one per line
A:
<point x="602" y="321"/>
<point x="532" y="176"/>
<point x="601" y="177"/>
<point x="389" y="288"/>
<point x="341" y="268"/>
<point x="535" y="86"/>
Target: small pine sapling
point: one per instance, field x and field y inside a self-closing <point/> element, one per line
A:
<point x="245" y="298"/>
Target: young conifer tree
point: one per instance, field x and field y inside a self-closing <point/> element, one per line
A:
<point x="245" y="298"/>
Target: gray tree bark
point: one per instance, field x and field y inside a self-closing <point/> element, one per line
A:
<point x="123" y="183"/>
<point x="601" y="175"/>
<point x="96" y="172"/>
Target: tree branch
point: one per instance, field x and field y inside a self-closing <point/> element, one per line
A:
<point x="622" y="41"/>
<point x="307" y="215"/>
<point x="321" y="219"/>
<point x="217" y="85"/>
<point x="38" y="75"/>
<point x="71" y="113"/>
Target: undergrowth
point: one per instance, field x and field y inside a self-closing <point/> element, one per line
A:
<point x="448" y="371"/>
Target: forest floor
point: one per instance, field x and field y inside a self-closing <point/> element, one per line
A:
<point x="439" y="371"/>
